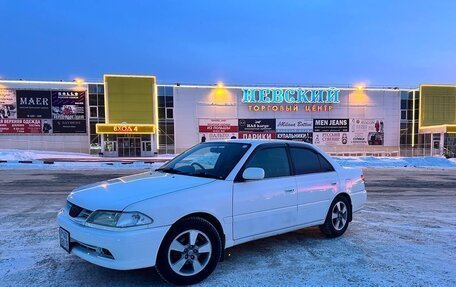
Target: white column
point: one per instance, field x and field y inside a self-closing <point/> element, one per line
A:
<point x="442" y="139"/>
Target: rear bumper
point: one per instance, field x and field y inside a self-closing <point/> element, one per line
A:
<point x="358" y="200"/>
<point x="130" y="249"/>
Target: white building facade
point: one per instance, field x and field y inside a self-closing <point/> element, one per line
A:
<point x="362" y="121"/>
<point x="341" y="121"/>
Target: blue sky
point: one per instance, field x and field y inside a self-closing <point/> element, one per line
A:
<point x="327" y="42"/>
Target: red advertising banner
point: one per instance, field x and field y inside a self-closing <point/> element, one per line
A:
<point x="218" y="126"/>
<point x="25" y="126"/>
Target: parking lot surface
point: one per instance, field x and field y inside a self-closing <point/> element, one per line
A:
<point x="405" y="236"/>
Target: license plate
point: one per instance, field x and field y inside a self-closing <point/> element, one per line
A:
<point x="64" y="237"/>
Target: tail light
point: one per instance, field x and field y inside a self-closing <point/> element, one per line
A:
<point x="362" y="178"/>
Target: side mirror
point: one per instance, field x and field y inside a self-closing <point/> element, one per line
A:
<point x="253" y="173"/>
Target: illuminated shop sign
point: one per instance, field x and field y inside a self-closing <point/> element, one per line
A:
<point x="291" y="96"/>
<point x="125" y="129"/>
<point x="290" y="99"/>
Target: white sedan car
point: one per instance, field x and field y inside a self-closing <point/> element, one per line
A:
<point x="180" y="217"/>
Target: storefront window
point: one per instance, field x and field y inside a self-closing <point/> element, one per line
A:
<point x="169" y="101"/>
<point x="403" y="115"/>
<point x="93" y="112"/>
<point x="169" y="113"/>
<point x="101" y="112"/>
<point x="161" y="113"/>
<point x="168" y="91"/>
<point x="161" y="91"/>
<point x="93" y="100"/>
<point x="100" y="100"/>
<point x="147" y="146"/>
<point x="100" y="89"/>
<point x="161" y="102"/>
<point x="110" y="146"/>
<point x="92" y="89"/>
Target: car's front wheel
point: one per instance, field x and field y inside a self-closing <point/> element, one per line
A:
<point x="189" y="252"/>
<point x="337" y="218"/>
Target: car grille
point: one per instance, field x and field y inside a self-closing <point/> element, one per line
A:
<point x="78" y="212"/>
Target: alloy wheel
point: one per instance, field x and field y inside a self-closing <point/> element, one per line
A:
<point x="339" y="215"/>
<point x="189" y="252"/>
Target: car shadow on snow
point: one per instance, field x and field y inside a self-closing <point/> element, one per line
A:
<point x="235" y="258"/>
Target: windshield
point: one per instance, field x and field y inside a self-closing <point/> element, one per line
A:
<point x="210" y="159"/>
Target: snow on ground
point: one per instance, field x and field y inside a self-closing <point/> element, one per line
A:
<point x="36" y="164"/>
<point x="16" y="154"/>
<point x="369" y="161"/>
<point x="403" y="237"/>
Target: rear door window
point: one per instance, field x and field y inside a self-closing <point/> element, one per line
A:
<point x="308" y="161"/>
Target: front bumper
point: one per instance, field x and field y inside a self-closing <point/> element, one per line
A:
<point x="130" y="249"/>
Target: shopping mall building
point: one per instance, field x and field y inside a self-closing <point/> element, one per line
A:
<point x="132" y="116"/>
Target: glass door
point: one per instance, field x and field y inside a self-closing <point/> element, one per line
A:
<point x="129" y="146"/>
<point x="123" y="144"/>
<point x="146" y="148"/>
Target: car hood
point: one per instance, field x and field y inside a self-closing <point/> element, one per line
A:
<point x="118" y="193"/>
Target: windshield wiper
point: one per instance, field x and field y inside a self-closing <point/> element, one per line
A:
<point x="205" y="174"/>
<point x="176" y="171"/>
<point x="169" y="170"/>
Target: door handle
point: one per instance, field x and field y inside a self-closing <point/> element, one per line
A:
<point x="289" y="190"/>
<point x="334" y="183"/>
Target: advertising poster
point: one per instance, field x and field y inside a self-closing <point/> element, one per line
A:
<point x="33" y="104"/>
<point x="68" y="105"/>
<point x="294" y="126"/>
<point x="69" y="126"/>
<point x="304" y="137"/>
<point x="46" y="126"/>
<point x="331" y="125"/>
<point x="20" y="126"/>
<point x="257" y="136"/>
<point x="257" y="125"/>
<point x="367" y="131"/>
<point x="8" y="107"/>
<point x="217" y="136"/>
<point x="330" y="139"/>
<point x="217" y="129"/>
<point x="257" y="128"/>
<point x="218" y="125"/>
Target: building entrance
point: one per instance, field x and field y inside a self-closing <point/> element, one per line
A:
<point x="129" y="146"/>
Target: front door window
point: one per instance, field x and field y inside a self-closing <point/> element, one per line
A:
<point x="272" y="199"/>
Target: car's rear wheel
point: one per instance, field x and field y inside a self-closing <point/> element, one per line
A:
<point x="189" y="252"/>
<point x="337" y="218"/>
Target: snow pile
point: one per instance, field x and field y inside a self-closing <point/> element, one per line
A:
<point x="16" y="154"/>
<point x="37" y="164"/>
<point x="369" y="161"/>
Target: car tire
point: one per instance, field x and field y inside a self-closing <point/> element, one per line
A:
<point x="337" y="219"/>
<point x="189" y="252"/>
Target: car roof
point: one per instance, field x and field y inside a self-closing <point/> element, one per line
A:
<point x="257" y="142"/>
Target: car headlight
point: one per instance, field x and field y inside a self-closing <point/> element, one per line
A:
<point x="119" y="219"/>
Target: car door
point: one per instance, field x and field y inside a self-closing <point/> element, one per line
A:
<point x="269" y="204"/>
<point x="316" y="182"/>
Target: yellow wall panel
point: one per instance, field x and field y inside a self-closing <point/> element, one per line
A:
<point x="130" y="99"/>
<point x="437" y="105"/>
